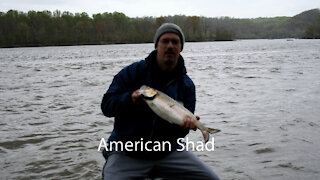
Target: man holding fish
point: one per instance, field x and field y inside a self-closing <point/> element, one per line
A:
<point x="153" y="100"/>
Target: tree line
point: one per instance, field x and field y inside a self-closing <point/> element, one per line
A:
<point x="312" y="31"/>
<point x="45" y="28"/>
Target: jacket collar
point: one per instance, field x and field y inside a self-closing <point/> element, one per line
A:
<point x="178" y="71"/>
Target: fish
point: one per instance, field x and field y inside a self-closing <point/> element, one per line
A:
<point x="170" y="110"/>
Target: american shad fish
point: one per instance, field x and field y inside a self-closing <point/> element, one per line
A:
<point x="170" y="110"/>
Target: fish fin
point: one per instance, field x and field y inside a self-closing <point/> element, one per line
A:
<point x="206" y="132"/>
<point x="205" y="136"/>
<point x="211" y="130"/>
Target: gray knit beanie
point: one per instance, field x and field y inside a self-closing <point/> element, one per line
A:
<point x="166" y="28"/>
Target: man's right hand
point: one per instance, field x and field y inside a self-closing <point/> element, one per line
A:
<point x="137" y="97"/>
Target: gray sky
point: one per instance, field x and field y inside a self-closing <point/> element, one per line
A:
<point x="140" y="8"/>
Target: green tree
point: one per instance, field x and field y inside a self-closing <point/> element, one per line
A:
<point x="313" y="31"/>
<point x="160" y="21"/>
<point x="192" y="28"/>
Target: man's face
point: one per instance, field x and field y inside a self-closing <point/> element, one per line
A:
<point x="168" y="51"/>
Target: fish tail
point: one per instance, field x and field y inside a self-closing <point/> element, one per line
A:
<point x="206" y="132"/>
<point x="205" y="136"/>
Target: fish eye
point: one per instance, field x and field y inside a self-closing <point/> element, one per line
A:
<point x="149" y="95"/>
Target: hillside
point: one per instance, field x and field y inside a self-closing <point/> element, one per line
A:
<point x="296" y="26"/>
<point x="45" y="28"/>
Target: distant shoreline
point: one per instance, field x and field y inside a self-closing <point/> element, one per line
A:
<point x="88" y="44"/>
<point x="45" y="28"/>
<point x="95" y="44"/>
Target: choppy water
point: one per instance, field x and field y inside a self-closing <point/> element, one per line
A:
<point x="263" y="94"/>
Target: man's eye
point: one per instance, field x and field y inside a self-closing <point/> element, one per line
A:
<point x="165" y="41"/>
<point x="174" y="42"/>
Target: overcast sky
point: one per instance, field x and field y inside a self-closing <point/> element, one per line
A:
<point x="140" y="8"/>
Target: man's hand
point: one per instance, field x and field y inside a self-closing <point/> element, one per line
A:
<point x="137" y="97"/>
<point x="189" y="123"/>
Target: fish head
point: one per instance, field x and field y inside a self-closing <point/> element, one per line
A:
<point x="148" y="92"/>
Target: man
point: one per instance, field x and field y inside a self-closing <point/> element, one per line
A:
<point x="164" y="70"/>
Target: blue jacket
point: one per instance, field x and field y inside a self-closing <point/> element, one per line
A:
<point x="133" y="122"/>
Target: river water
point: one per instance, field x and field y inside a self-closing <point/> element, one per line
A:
<point x="263" y="94"/>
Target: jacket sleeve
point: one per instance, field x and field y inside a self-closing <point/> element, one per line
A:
<point x="190" y="95"/>
<point x="117" y="99"/>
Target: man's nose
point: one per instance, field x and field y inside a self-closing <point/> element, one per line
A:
<point x="170" y="44"/>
